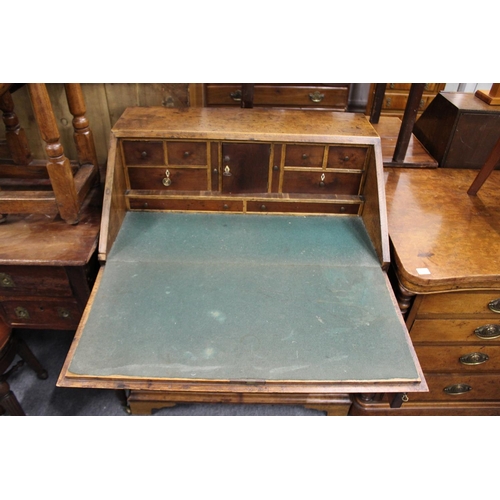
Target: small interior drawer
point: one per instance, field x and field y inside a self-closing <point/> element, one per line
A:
<point x="460" y="303"/>
<point x="321" y="182"/>
<point x="186" y="153"/>
<point x="174" y="204"/>
<point x="301" y="207"/>
<point x="143" y="153"/>
<point x="304" y="156"/>
<point x="181" y="179"/>
<point x="346" y="157"/>
<point x="34" y="280"/>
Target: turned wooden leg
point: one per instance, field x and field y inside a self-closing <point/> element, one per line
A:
<point x="14" y="134"/>
<point x="58" y="167"/>
<point x="8" y="401"/>
<point x="25" y="352"/>
<point x="84" y="139"/>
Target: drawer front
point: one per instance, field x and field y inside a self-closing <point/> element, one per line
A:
<point x="459" y="303"/>
<point x="346" y="157"/>
<point x="201" y="205"/>
<point x="321" y="182"/>
<point x="460" y="387"/>
<point x="304" y="156"/>
<point x="303" y="96"/>
<point x="42" y="313"/>
<point x="168" y="179"/>
<point x="266" y="206"/>
<point x="143" y="153"/>
<point x="187" y="153"/>
<point x="471" y="358"/>
<point x="429" y="87"/>
<point x="397" y="102"/>
<point x="456" y="330"/>
<point x="34" y="280"/>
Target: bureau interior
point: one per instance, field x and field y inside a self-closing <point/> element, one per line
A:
<point x="243" y="245"/>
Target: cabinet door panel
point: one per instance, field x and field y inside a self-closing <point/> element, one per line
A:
<point x="245" y="167"/>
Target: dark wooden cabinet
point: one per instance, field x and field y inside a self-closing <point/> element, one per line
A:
<point x="48" y="267"/>
<point x="459" y="130"/>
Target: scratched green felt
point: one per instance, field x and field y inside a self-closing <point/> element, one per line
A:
<point x="220" y="296"/>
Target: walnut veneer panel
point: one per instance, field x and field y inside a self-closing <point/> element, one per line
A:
<point x="437" y="228"/>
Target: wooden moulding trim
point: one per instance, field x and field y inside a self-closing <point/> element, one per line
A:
<point x="84" y="180"/>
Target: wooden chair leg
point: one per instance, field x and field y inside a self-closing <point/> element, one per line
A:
<point x="378" y="99"/>
<point x="486" y="169"/>
<point x="25" y="352"/>
<point x="58" y="166"/>
<point x="14" y="134"/>
<point x="9" y="402"/>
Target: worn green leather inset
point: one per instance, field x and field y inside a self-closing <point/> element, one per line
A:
<point x="244" y="297"/>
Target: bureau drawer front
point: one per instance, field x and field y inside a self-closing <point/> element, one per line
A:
<point x="301" y="207"/>
<point x="397" y="102"/>
<point x="304" y="156"/>
<point x="186" y="153"/>
<point x="459" y="303"/>
<point x="334" y="97"/>
<point x="346" y="157"/>
<point x="482" y="387"/>
<point x="456" y="330"/>
<point x="64" y="314"/>
<point x="178" y="204"/>
<point x="33" y="280"/>
<point x="143" y="153"/>
<point x="181" y="179"/>
<point x="321" y="182"/>
<point x="475" y="358"/>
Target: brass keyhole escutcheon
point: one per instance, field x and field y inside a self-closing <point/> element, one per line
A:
<point x="22" y="313"/>
<point x="6" y="280"/>
<point x="167" y="181"/>
<point x="227" y="171"/>
<point x="322" y="180"/>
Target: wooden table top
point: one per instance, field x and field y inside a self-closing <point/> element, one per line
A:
<point x="37" y="239"/>
<point x="443" y="239"/>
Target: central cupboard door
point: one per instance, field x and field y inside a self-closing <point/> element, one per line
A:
<point x="245" y="167"/>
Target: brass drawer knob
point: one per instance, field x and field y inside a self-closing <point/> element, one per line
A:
<point x="6" y="281"/>
<point x="486" y="332"/>
<point x="63" y="313"/>
<point x="456" y="389"/>
<point x="316" y="96"/>
<point x="144" y="154"/>
<point x="474" y="358"/>
<point x="494" y="306"/>
<point x="167" y="181"/>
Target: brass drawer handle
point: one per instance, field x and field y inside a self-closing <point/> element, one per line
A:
<point x="486" y="332"/>
<point x="316" y="96"/>
<point x="494" y="306"/>
<point x="236" y="96"/>
<point x="22" y="313"/>
<point x="457" y="389"/>
<point x="167" y="181"/>
<point x="6" y="281"/>
<point x="474" y="358"/>
<point x="388" y="102"/>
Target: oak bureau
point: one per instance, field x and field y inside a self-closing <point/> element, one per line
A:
<point x="244" y="260"/>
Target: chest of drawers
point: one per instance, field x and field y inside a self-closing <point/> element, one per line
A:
<point x="446" y="273"/>
<point x="48" y="267"/>
<point x="239" y="249"/>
